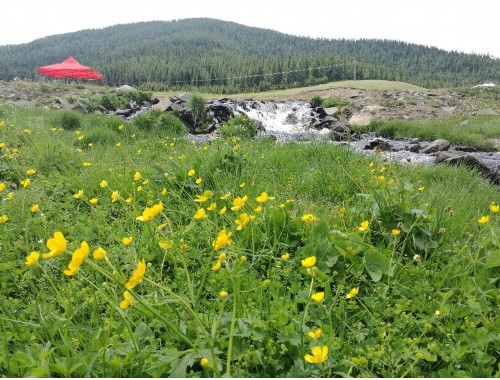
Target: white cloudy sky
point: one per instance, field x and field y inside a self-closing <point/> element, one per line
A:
<point x="471" y="26"/>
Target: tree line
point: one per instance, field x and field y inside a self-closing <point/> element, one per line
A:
<point x="226" y="57"/>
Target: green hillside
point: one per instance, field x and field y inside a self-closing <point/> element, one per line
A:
<point x="225" y="57"/>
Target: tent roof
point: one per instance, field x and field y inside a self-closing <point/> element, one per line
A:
<point x="70" y="68"/>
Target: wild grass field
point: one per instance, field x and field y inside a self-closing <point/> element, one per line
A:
<point x="128" y="251"/>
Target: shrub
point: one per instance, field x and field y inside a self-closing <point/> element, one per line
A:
<point x="316" y="101"/>
<point x="240" y="126"/>
<point x="70" y="120"/>
<point x="155" y="120"/>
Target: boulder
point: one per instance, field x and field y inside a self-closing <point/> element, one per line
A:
<point x="437" y="146"/>
<point x="378" y="144"/>
<point x="332" y="111"/>
<point x="163" y="105"/>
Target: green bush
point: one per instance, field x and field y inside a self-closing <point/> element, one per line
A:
<point x="316" y="101"/>
<point x="70" y="120"/>
<point x="155" y="120"/>
<point x="240" y="126"/>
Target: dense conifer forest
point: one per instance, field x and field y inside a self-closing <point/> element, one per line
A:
<point x="226" y="57"/>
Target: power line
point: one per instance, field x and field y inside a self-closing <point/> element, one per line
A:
<point x="180" y="82"/>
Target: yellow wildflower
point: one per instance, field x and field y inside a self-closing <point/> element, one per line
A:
<point x="263" y="197"/>
<point x="25" y="183"/>
<point x="309" y="218"/>
<point x="34" y="208"/>
<point x="223" y="210"/>
<point x="56" y="245"/>
<point x="120" y="127"/>
<point x="309" y="262"/>
<point x="198" y="181"/>
<point x="127" y="240"/>
<point x="353" y="293"/>
<point x="238" y="203"/>
<point x="129" y="200"/>
<point x="2" y="186"/>
<point x="32" y="258"/>
<point x="243" y="259"/>
<point x="200" y="214"/>
<point x="225" y="196"/>
<point x="137" y="275"/>
<point x="118" y="144"/>
<point x="319" y="355"/>
<point x="166" y="244"/>
<point x="103" y="183"/>
<point x="364" y="225"/>
<point x="242" y="185"/>
<point x="207" y="194"/>
<point x="285" y="256"/>
<point x="78" y="195"/>
<point x="99" y="254"/>
<point x="494" y="207"/>
<point x="484" y="219"/>
<point x="395" y="232"/>
<point x="243" y="220"/>
<point x="315" y="334"/>
<point x="87" y="164"/>
<point x="3" y="219"/>
<point x="258" y="209"/>
<point x="318" y="297"/>
<point x="164" y="191"/>
<point x="223" y="294"/>
<point x="115" y="195"/>
<point x="93" y="201"/>
<point x="127" y="300"/>
<point x="204" y="362"/>
<point x="77" y="259"/>
<point x="212" y="206"/>
<point x="217" y="265"/>
<point x="30" y="171"/>
<point x="137" y="176"/>
<point x="223" y="239"/>
<point x="191" y="173"/>
<point x="150" y="212"/>
<point x="222" y="257"/>
<point x="422" y="188"/>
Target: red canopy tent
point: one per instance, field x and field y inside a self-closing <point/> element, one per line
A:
<point x="70" y="68"/>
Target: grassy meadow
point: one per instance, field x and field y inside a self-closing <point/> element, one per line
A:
<point x="128" y="251"/>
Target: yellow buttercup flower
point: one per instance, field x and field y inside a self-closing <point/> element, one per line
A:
<point x="494" y="207"/>
<point x="223" y="294"/>
<point x="99" y="254"/>
<point x="364" y="225"/>
<point x="103" y="183"/>
<point x="243" y="221"/>
<point x="258" y="209"/>
<point x="243" y="259"/>
<point x="191" y="173"/>
<point x="30" y="171"/>
<point x="353" y="293"/>
<point x="285" y="256"/>
<point x="263" y="197"/>
<point x="223" y="210"/>
<point x="217" y="265"/>
<point x="212" y="206"/>
<point x="309" y="218"/>
<point x="2" y="186"/>
<point x="315" y="334"/>
<point x="198" y="181"/>
<point x="34" y="208"/>
<point x="422" y="188"/>
<point x="309" y="262"/>
<point x="318" y="297"/>
<point x="150" y="212"/>
<point x="137" y="176"/>
<point x="207" y="194"/>
<point x="137" y="275"/>
<point x="120" y="127"/>
<point x="127" y="300"/>
<point x="166" y="244"/>
<point x="115" y="195"/>
<point x="204" y="362"/>
<point x="239" y="202"/>
<point x="77" y="259"/>
<point x="319" y="355"/>
<point x="200" y="214"/>
<point x="223" y="239"/>
<point x="127" y="240"/>
<point x="87" y="164"/>
<point x="93" y="201"/>
<point x="395" y="232"/>
<point x="225" y="196"/>
<point x="78" y="195"/>
<point x="32" y="258"/>
<point x="3" y="219"/>
<point x="25" y="183"/>
<point x="484" y="219"/>
<point x="56" y="245"/>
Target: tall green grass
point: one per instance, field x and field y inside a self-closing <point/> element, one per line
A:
<point x="404" y="282"/>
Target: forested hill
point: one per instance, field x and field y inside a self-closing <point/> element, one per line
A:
<point x="221" y="56"/>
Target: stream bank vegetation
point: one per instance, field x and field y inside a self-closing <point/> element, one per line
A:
<point x="128" y="251"/>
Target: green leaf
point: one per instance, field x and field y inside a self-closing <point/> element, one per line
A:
<point x="376" y="264"/>
<point x="492" y="259"/>
<point x="7" y="266"/>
